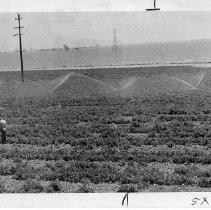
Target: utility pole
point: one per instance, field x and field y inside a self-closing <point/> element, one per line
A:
<point x="20" y="43"/>
<point x="115" y="41"/>
<point x="155" y="8"/>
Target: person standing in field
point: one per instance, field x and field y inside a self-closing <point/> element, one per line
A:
<point x="3" y="127"/>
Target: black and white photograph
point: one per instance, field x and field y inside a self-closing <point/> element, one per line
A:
<point x="105" y="96"/>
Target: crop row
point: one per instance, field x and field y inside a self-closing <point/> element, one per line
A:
<point x="123" y="153"/>
<point x="108" y="172"/>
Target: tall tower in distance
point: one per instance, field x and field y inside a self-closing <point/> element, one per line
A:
<point x="115" y="41"/>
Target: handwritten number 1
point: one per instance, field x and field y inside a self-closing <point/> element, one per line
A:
<point x="125" y="197"/>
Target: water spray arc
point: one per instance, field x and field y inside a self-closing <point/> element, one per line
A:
<point x="60" y="83"/>
<point x="125" y="86"/>
<point x="64" y="79"/>
<point x="184" y="82"/>
<point x="194" y="87"/>
<point x="39" y="85"/>
<point x="201" y="79"/>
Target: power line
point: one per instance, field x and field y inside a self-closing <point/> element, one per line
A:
<point x="19" y="27"/>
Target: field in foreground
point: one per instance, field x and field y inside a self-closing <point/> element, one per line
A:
<point x="107" y="143"/>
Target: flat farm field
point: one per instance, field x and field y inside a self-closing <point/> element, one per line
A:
<point x="110" y="140"/>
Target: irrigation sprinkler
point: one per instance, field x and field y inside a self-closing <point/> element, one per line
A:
<point x="153" y="9"/>
<point x="20" y="43"/>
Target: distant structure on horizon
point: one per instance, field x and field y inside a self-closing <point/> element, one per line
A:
<point x="115" y="41"/>
<point x="65" y="46"/>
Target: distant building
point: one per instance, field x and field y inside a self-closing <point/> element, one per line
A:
<point x="66" y="47"/>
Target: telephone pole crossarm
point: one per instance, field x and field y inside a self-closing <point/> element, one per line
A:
<point x="18" y="27"/>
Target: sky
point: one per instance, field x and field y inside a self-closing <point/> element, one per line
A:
<point x="100" y="5"/>
<point x="52" y="23"/>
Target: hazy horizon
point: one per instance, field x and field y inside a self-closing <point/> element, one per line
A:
<point x="78" y="29"/>
<point x="107" y="46"/>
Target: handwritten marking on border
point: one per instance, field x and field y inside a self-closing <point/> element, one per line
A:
<point x="124" y="198"/>
<point x="200" y="201"/>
